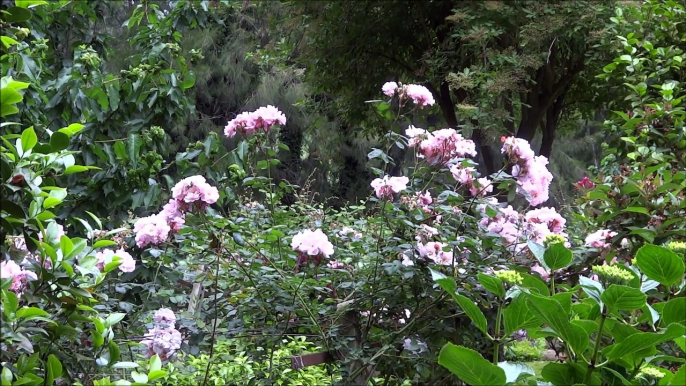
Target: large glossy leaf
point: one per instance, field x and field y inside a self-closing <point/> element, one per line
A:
<point x="470" y="367"/>
<point x="660" y="264"/>
<point x="619" y="297"/>
<point x="557" y="256"/>
<point x="643" y="340"/>
<point x="550" y="312"/>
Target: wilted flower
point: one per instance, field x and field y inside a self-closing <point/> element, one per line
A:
<point x="172" y="213"/>
<point x="434" y="251"/>
<point x="484" y="186"/>
<point x="533" y="177"/>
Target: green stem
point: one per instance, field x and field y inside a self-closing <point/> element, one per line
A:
<point x="591" y="365"/>
<point x="496" y="332"/>
<point x="552" y="283"/>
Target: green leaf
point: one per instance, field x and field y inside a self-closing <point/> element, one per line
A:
<point x="560" y="374"/>
<point x="660" y="264"/>
<point x="29" y="3"/>
<point x="10" y="303"/>
<point x="138" y="377"/>
<point x="155" y="363"/>
<point x="59" y="141"/>
<point x="619" y="297"/>
<point x="120" y="150"/>
<point x="492" y="284"/>
<point x="51" y="202"/>
<point x="113" y="350"/>
<point x="538" y="251"/>
<point x="517" y="316"/>
<point x="473" y="312"/>
<point x="470" y="367"/>
<point x="674" y="311"/>
<point x="679" y="378"/>
<point x="66" y="245"/>
<point x="114" y="318"/>
<point x="534" y="283"/>
<point x="6" y="376"/>
<point x="156" y="374"/>
<point x="27" y="312"/>
<point x="636" y="209"/>
<point x="125" y="365"/>
<point x="29" y="139"/>
<point x="557" y="256"/>
<point x="188" y="80"/>
<point x="643" y="340"/>
<point x="54" y="369"/>
<point x="103" y="244"/>
<point x="550" y="312"/>
<point x="133" y="145"/>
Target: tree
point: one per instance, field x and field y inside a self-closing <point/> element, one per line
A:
<point x="495" y="68"/>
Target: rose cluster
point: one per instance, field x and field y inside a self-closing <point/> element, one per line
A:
<point x="262" y="119"/>
<point x="163" y="339"/>
<point x="311" y="244"/>
<point x="190" y="194"/>
<point x="530" y="171"/>
<point x="439" y="147"/>
<point x="420" y="95"/>
<point x="385" y="187"/>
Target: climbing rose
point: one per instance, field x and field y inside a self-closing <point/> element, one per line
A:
<point x="530" y="171"/>
<point x="600" y="238"/>
<point x="194" y="189"/>
<point x="462" y="174"/>
<point x="389" y="88"/>
<point x="415" y="135"/>
<point x="128" y="264"/>
<point x="165" y="316"/>
<point x="264" y="118"/>
<point x="171" y="212"/>
<point x="312" y="243"/>
<point x="485" y="186"/>
<point x="385" y="187"/>
<point x="162" y="341"/>
<point x="420" y="95"/>
<point x="151" y="230"/>
<point x="424" y="199"/>
<point x="434" y="251"/>
<point x="441" y="146"/>
<point x="548" y="216"/>
<point x="11" y="270"/>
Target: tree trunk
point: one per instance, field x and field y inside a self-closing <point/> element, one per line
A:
<point x="552" y="120"/>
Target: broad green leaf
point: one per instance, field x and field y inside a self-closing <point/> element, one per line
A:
<point x="492" y="284"/>
<point x="592" y="288"/>
<point x="29" y="3"/>
<point x="59" y="141"/>
<point x="517" y="316"/>
<point x="133" y="145"/>
<point x="29" y="139"/>
<point x="155" y="363"/>
<point x="557" y="256"/>
<point x="9" y="303"/>
<point x="113" y="350"/>
<point x="114" y="318"/>
<point x="473" y="312"/>
<point x="674" y="311"/>
<point x="562" y="374"/>
<point x="27" y="312"/>
<point x="624" y="298"/>
<point x="156" y="374"/>
<point x="54" y="369"/>
<point x="679" y="378"/>
<point x="103" y="244"/>
<point x="660" y="264"/>
<point x="534" y="283"/>
<point x="643" y="340"/>
<point x="550" y="312"/>
<point x="470" y="367"/>
<point x="138" y="377"/>
<point x="538" y="251"/>
<point x="6" y="376"/>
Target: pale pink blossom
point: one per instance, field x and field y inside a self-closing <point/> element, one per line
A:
<point x="162" y="341"/>
<point x="444" y="145"/>
<point x="193" y="190"/>
<point x="151" y="230"/>
<point x="484" y="186"/>
<point x="20" y="276"/>
<point x="387" y="186"/>
<point x="389" y="88"/>
<point x="425" y="232"/>
<point x="434" y="251"/>
<point x="106" y="256"/>
<point x="165" y="316"/>
<point x="264" y="118"/>
<point x="544" y="273"/>
<point x="463" y="174"/>
<point x="530" y="171"/>
<point x="420" y="95"/>
<point x="312" y="243"/>
<point x="335" y="264"/>
<point x="548" y="216"/>
<point x="424" y="199"/>
<point x="600" y="238"/>
<point x="172" y="213"/>
<point x="415" y="135"/>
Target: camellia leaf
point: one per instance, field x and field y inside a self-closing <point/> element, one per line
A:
<point x="29" y="139"/>
<point x="470" y="367"/>
<point x="660" y="264"/>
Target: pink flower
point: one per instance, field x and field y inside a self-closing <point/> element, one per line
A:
<point x="407" y="260"/>
<point x="194" y="189"/>
<point x="389" y="88"/>
<point x="585" y="183"/>
<point x="463" y="174"/>
<point x="425" y="232"/>
<point x="424" y="199"/>
<point x="335" y="264"/>
<point x="385" y="187"/>
<point x="162" y="341"/>
<point x="165" y="316"/>
<point x="171" y="212"/>
<point x="545" y="274"/>
<point x="151" y="230"/>
<point x="106" y="256"/>
<point x="312" y="243"/>
<point x="548" y="216"/>
<point x="533" y="177"/>
<point x="420" y="95"/>
<point x="264" y="118"/>
<point x="484" y="186"/>
<point x="415" y="135"/>
<point x="434" y="251"/>
<point x="441" y="146"/>
<point x="600" y="238"/>
<point x="20" y="277"/>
